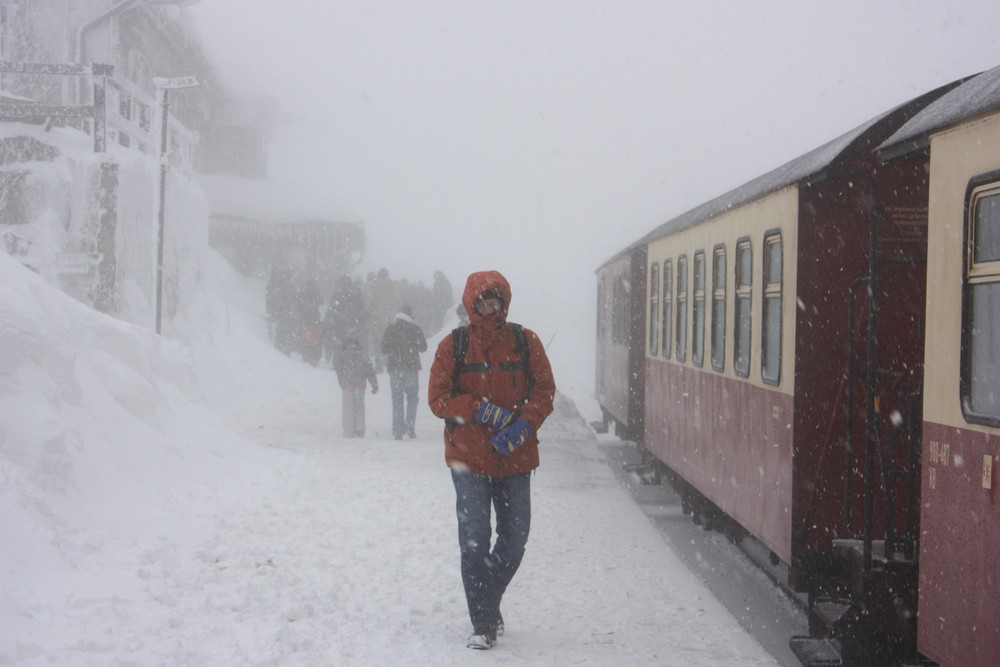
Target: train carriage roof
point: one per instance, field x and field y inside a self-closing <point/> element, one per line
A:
<point x="977" y="95"/>
<point x="808" y="167"/>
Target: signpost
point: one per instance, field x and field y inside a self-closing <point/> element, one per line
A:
<point x="165" y="85"/>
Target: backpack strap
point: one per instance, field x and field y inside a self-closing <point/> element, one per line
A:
<point x="521" y="345"/>
<point x="459" y="345"/>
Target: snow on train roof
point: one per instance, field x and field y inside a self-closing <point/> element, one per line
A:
<point x="975" y="96"/>
<point x="798" y="170"/>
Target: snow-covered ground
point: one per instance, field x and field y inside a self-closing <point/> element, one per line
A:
<point x="193" y="503"/>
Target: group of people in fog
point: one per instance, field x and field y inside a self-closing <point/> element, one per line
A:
<point x="490" y="383"/>
<point x="299" y="324"/>
<point x="369" y="327"/>
<point x="401" y="345"/>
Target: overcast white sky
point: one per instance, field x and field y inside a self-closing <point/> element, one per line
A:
<point x="538" y="137"/>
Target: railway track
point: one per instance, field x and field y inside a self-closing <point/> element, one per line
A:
<point x="741" y="576"/>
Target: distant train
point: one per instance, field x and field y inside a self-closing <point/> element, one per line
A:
<point x="814" y="360"/>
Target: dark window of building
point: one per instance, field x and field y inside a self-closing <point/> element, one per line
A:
<point x="125" y="107"/>
<point x="145" y="117"/>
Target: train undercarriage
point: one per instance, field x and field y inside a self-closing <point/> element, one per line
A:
<point x="858" y="615"/>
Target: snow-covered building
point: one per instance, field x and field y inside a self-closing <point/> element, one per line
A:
<point x="135" y="41"/>
<point x="84" y="91"/>
<point x="259" y="225"/>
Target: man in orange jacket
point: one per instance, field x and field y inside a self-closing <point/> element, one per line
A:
<point x="493" y="398"/>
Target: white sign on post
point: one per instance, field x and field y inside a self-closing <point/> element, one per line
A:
<point x="164" y="83"/>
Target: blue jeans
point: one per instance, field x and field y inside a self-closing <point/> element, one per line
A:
<point x="486" y="573"/>
<point x="403" y="384"/>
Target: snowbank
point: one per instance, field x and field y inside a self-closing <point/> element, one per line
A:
<point x="194" y="504"/>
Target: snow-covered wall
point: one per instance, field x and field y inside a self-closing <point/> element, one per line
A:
<point x="64" y="209"/>
<point x="185" y="238"/>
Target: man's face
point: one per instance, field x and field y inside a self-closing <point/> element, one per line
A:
<point x="488" y="304"/>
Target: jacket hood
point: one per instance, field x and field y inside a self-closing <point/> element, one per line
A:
<point x="479" y="283"/>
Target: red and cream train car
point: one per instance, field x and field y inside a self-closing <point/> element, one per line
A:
<point x="959" y="581"/>
<point x="781" y="334"/>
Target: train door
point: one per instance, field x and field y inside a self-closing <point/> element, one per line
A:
<point x="885" y="383"/>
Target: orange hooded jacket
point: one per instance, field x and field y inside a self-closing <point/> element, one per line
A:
<point x="467" y="444"/>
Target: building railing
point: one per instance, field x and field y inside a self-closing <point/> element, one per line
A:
<point x="31" y="111"/>
<point x="122" y="112"/>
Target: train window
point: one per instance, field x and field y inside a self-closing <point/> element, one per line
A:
<point x="770" y="344"/>
<point x="601" y="311"/>
<point x="698" y="311"/>
<point x="980" y="380"/>
<point x="719" y="308"/>
<point x="654" y="308"/>
<point x="682" y="313"/>
<point x="620" y="311"/>
<point x="668" y="307"/>
<point x="741" y="328"/>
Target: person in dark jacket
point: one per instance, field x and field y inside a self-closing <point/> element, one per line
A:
<point x="402" y="344"/>
<point x="281" y="310"/>
<point x="493" y="404"/>
<point x="354" y="369"/>
<point x="311" y="335"/>
<point x="345" y="312"/>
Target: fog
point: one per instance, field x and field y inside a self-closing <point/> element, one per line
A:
<point x="539" y="137"/>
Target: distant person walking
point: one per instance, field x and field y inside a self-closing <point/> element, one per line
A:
<point x="402" y="343"/>
<point x="462" y="314"/>
<point x="345" y="312"/>
<point x="443" y="297"/>
<point x="354" y="370"/>
<point x="281" y="309"/>
<point x="308" y="302"/>
<point x="492" y="384"/>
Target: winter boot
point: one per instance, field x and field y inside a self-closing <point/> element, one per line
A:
<point x="482" y="638"/>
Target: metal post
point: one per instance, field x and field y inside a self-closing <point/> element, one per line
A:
<point x="163" y="201"/>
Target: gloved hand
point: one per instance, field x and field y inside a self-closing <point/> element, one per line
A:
<point x="512" y="437"/>
<point x="375" y="389"/>
<point x="493" y="415"/>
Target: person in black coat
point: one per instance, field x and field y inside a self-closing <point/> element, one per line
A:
<point x="402" y="343"/>
<point x="281" y="309"/>
<point x="345" y="312"/>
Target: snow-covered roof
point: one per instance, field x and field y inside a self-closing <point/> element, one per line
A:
<point x="269" y="201"/>
<point x="977" y="95"/>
